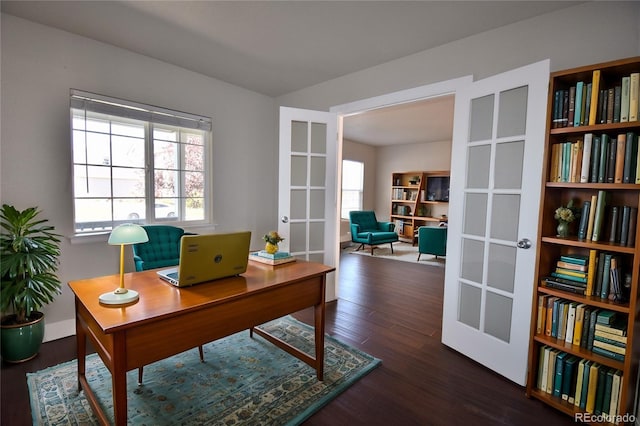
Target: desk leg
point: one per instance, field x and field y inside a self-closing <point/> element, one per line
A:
<point x="119" y="380"/>
<point x="319" y="339"/>
<point x="81" y="350"/>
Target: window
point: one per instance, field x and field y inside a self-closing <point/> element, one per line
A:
<point x="352" y="186"/>
<point x="137" y="163"/>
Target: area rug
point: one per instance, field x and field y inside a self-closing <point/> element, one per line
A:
<point x="404" y="252"/>
<point x="243" y="381"/>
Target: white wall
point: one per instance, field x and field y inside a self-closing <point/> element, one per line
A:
<point x="432" y="156"/>
<point x="581" y="35"/>
<point x="39" y="66"/>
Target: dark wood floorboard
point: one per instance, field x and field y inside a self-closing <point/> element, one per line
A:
<point x="393" y="311"/>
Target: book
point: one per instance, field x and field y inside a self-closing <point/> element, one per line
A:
<point x="584" y="220"/>
<point x="586" y="157"/>
<point x="579" y="321"/>
<point x="571" y="272"/>
<point x="594" y="370"/>
<point x="610" y="345"/>
<point x="542" y="313"/>
<point x="624" y="225"/>
<point x="593" y="263"/>
<point x="633" y="220"/>
<point x="624" y="99"/>
<point x="551" y="370"/>
<point x="569" y="379"/>
<point x="543" y="370"/>
<point x="266" y="258"/>
<point x="572" y="266"/>
<point x="602" y="375"/>
<point x="618" y="328"/>
<point x="606" y="398"/>
<point x="621" y="147"/>
<point x="617" y="95"/>
<point x="592" y="215"/>
<point x="579" y="379"/>
<point x="592" y="328"/>
<point x="584" y="339"/>
<point x="605" y="146"/>
<point x="609" y="337"/>
<point x="559" y="371"/>
<point x="630" y="158"/>
<point x="556" y="317"/>
<point x="599" y="215"/>
<point x="564" y="285"/>
<point x="549" y="320"/>
<point x="595" y="156"/>
<point x="571" y="322"/>
<point x="585" y="384"/>
<point x="611" y="160"/>
<point x="634" y="84"/>
<point x="599" y="274"/>
<point x="610" y="104"/>
<point x="606" y="276"/>
<point x="595" y="89"/>
<point x="615" y="393"/>
<point x="578" y="104"/>
<point x="556" y="274"/>
<point x="607" y="317"/>
<point x="563" y="310"/>
<point x="613" y="224"/>
<point x="607" y="353"/>
<point x="577" y="259"/>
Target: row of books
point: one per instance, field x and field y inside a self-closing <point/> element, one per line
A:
<point x="404" y="194"/>
<point x="589" y="103"/>
<point x="596" y="159"/>
<point x="599" y="330"/>
<point x="599" y="274"/>
<point x="587" y="385"/>
<point x="615" y="223"/>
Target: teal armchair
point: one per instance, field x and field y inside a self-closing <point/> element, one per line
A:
<point x="161" y="251"/>
<point x="366" y="230"/>
<point x="432" y="240"/>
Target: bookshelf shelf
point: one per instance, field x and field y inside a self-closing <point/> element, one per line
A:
<point x="418" y="204"/>
<point x="576" y="171"/>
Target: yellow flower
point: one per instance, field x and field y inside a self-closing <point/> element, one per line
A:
<point x="273" y="237"/>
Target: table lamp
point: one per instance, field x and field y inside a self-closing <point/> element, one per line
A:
<point x="122" y="235"/>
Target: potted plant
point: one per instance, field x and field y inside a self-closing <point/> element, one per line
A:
<point x="29" y="250"/>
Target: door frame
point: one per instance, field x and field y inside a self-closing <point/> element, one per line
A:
<point x="432" y="90"/>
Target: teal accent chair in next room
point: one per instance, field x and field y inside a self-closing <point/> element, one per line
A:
<point x="432" y="240"/>
<point x="366" y="230"/>
<point x="161" y="251"/>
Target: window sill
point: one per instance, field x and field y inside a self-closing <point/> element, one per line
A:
<point x="102" y="237"/>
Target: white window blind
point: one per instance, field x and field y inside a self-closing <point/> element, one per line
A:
<point x="352" y="187"/>
<point x="137" y="163"/>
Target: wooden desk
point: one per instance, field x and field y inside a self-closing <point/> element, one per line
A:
<point x="168" y="320"/>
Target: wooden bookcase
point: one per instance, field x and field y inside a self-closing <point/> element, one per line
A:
<point x="557" y="192"/>
<point x="418" y="199"/>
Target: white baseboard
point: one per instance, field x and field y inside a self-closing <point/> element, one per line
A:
<point x="60" y="329"/>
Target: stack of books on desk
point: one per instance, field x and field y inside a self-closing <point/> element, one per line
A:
<point x="277" y="258"/>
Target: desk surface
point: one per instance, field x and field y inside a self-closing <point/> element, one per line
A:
<point x="160" y="299"/>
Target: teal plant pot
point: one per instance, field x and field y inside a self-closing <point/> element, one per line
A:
<point x="21" y="342"/>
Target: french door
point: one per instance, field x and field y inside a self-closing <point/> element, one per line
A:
<point x="307" y="199"/>
<point x="497" y="155"/>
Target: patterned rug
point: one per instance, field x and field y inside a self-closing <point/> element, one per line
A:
<point x="243" y="381"/>
<point x="401" y="251"/>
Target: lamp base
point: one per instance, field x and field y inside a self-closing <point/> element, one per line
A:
<point x="113" y="298"/>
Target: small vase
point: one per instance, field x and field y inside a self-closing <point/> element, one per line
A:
<point x="563" y="229"/>
<point x="271" y="248"/>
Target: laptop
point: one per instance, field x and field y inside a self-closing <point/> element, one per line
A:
<point x="209" y="257"/>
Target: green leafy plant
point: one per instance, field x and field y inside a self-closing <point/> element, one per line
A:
<point x="29" y="249"/>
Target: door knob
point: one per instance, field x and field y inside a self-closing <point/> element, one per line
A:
<point x="524" y="243"/>
<point x="284" y="219"/>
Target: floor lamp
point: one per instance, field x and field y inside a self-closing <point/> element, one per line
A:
<point x="123" y="235"/>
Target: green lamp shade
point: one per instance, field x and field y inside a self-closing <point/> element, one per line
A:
<point x="128" y="233"/>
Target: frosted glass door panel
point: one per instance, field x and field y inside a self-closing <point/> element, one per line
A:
<point x="298" y="237"/>
<point x="512" y="118"/>
<point x="475" y="218"/>
<point x="298" y="171"/>
<point x="299" y="136"/>
<point x="501" y="269"/>
<point x="316" y="203"/>
<point x="472" y="260"/>
<point x="479" y="165"/>
<point x="481" y="124"/>
<point x="504" y="216"/>
<point x="316" y="236"/>
<point x="298" y="204"/>
<point x="318" y="171"/>
<point x="318" y="138"/>
<point x="498" y="316"/>
<point x="509" y="165"/>
<point x="469" y="310"/>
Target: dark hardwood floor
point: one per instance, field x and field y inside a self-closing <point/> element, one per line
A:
<point x="393" y="311"/>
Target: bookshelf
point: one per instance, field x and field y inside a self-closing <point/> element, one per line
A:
<point x="418" y="199"/>
<point x="576" y="171"/>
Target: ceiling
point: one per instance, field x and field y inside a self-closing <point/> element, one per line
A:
<point x="276" y="47"/>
